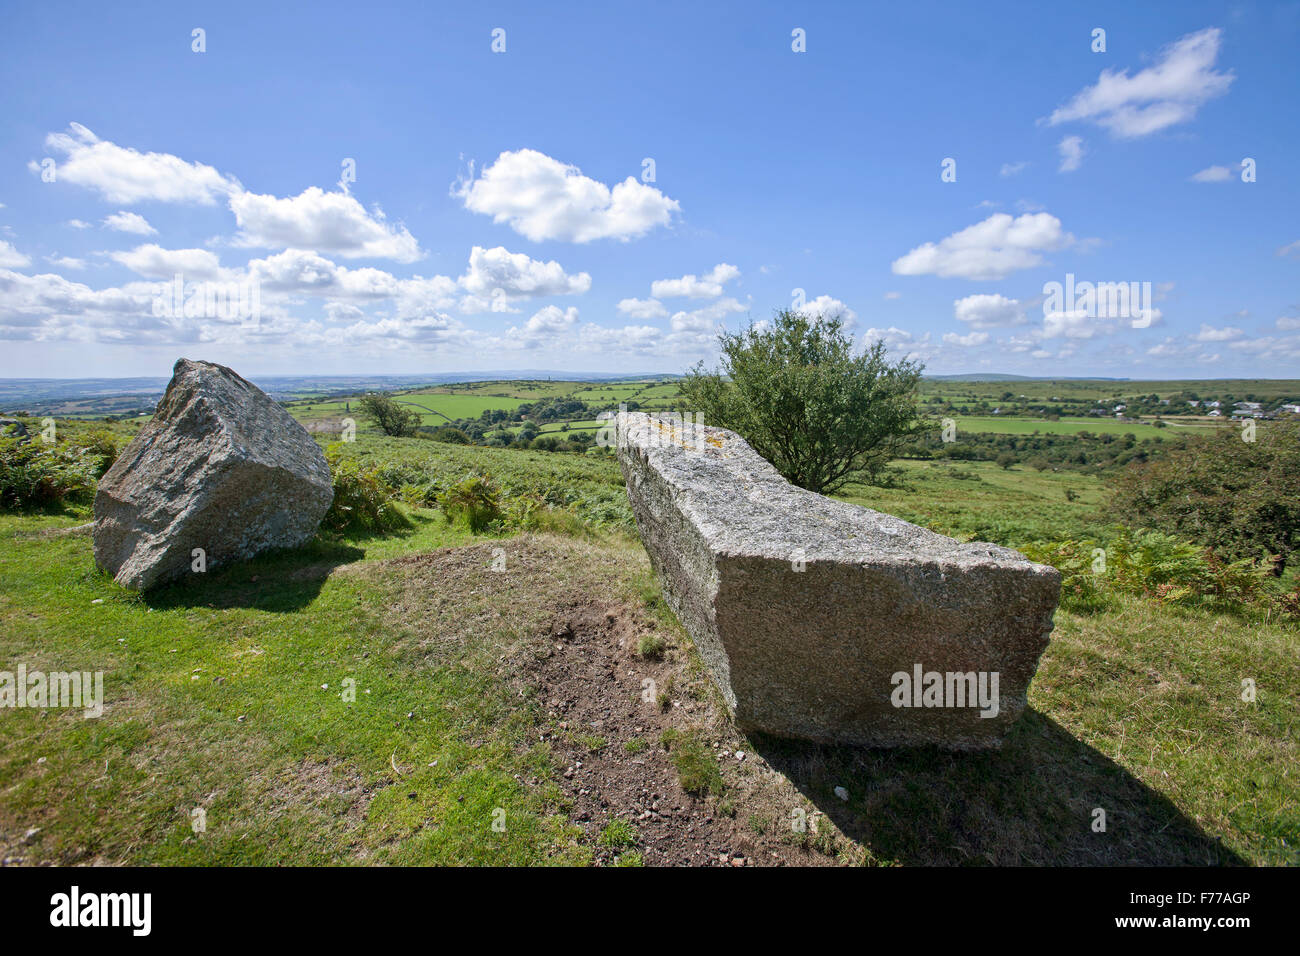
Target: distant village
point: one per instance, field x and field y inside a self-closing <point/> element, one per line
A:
<point x="1134" y="409"/>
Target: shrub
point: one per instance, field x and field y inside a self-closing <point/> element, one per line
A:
<point x="1082" y="588"/>
<point x="1238" y="497"/>
<point x="452" y="436"/>
<point x="390" y="417"/>
<point x="361" y="498"/>
<point x="795" y="390"/>
<point x="102" y="446"/>
<point x="475" y="501"/>
<point x="37" y="475"/>
<point x="1151" y="564"/>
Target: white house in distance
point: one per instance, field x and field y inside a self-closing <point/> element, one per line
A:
<point x="1290" y="409"/>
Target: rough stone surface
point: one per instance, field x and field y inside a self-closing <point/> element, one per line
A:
<point x="220" y="467"/>
<point x="812" y="653"/>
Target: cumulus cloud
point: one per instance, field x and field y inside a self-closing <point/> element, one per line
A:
<point x="66" y="262"/>
<point x="828" y="308"/>
<point x="991" y="249"/>
<point x="1071" y="150"/>
<point x="542" y="198"/>
<point x="497" y="276"/>
<point x="11" y="258"/>
<point x="542" y="328"/>
<point x="642" y="308"/>
<point x="704" y="319"/>
<point x="332" y="222"/>
<point x="982" y="311"/>
<point x="48" y="307"/>
<point x="130" y="222"/>
<point x="154" y="262"/>
<point x="708" y="286"/>
<point x="124" y="175"/>
<point x="552" y="319"/>
<point x="1167" y="93"/>
<point x="1011" y="169"/>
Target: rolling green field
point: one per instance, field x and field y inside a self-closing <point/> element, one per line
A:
<point x="437" y="405"/>
<point x="434" y="408"/>
<point x="1006" y="425"/>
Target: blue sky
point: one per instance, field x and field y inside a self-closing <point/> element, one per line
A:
<point x="501" y="215"/>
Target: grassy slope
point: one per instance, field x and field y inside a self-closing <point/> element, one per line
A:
<point x="1136" y="710"/>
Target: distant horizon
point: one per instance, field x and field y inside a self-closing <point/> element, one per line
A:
<point x="572" y="376"/>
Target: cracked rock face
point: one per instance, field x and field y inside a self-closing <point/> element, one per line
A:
<point x="810" y="612"/>
<point x="222" y="468"/>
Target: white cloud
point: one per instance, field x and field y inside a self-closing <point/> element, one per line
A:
<point x="1071" y="150"/>
<point x="499" y="276"/>
<point x="893" y="295"/>
<point x="552" y="319"/>
<point x="130" y="222"/>
<point x="642" y="308"/>
<point x="1212" y="174"/>
<point x="1288" y="323"/>
<point x="66" y="262"/>
<point x="695" y="287"/>
<point x="329" y="222"/>
<point x="1160" y="96"/>
<point x="900" y="340"/>
<point x="991" y="249"/>
<point x="1290" y="249"/>
<point x="542" y="198"/>
<point x="829" y="308"/>
<point x="11" y="258"/>
<point x="1011" y="169"/>
<point x="1209" y="333"/>
<point x="154" y="262"/>
<point x="124" y="175"/>
<point x="705" y="319"/>
<point x="994" y="311"/>
<point x="1077" y="324"/>
<point x="966" y="341"/>
<point x="79" y="224"/>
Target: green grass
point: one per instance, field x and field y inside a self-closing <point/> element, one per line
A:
<point x="981" y="500"/>
<point x="696" y="767"/>
<point x="618" y="835"/>
<point x="226" y="693"/>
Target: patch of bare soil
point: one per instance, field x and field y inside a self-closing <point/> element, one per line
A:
<point x="592" y="682"/>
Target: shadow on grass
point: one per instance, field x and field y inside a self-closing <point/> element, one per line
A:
<point x="277" y="581"/>
<point x="1030" y="803"/>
